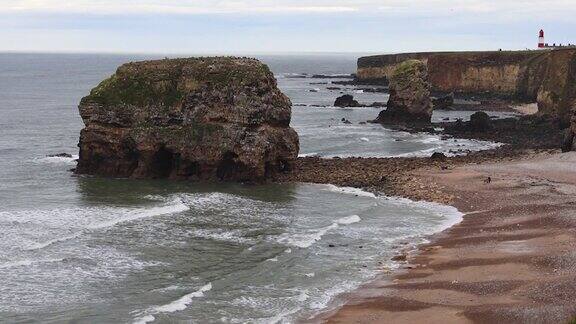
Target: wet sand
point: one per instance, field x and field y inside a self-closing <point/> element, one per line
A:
<point x="511" y="260"/>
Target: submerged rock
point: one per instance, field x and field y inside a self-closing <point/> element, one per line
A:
<point x="61" y="155"/>
<point x="198" y="119"/>
<point x="346" y="101"/>
<point x="409" y="95"/>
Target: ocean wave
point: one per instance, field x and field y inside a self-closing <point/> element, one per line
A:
<point x="349" y="191"/>
<point x="178" y="305"/>
<point x="58" y="160"/>
<point x="308" y="154"/>
<point x="306" y="240"/>
<point x="172" y="207"/>
<point x="27" y="263"/>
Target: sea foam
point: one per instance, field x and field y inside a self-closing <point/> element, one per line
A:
<point x="305" y="240"/>
<point x="178" y="305"/>
<point x="349" y="191"/>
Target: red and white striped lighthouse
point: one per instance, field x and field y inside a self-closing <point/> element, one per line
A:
<point x="541" y="43"/>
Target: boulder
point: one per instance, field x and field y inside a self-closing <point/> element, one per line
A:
<point x="480" y="122"/>
<point x="219" y="118"/>
<point x="409" y="95"/>
<point x="346" y="101"/>
<point x="438" y="156"/>
<point x="443" y="103"/>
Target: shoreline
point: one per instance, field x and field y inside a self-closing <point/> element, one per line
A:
<point x="496" y="264"/>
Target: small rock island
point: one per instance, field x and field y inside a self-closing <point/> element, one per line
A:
<point x="200" y="119"/>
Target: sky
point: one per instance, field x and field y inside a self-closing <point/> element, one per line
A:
<point x="281" y="26"/>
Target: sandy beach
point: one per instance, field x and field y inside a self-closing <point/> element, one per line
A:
<point x="511" y="259"/>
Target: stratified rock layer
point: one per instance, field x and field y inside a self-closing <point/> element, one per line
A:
<point x="197" y="119"/>
<point x="410" y="100"/>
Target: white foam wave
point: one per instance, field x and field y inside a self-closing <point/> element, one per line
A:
<point x="365" y="139"/>
<point x="349" y="191"/>
<point x="178" y="305"/>
<point x="306" y="240"/>
<point x="176" y="206"/>
<point x="58" y="159"/>
<point x="26" y="263"/>
<point x="349" y="220"/>
<point x="308" y="154"/>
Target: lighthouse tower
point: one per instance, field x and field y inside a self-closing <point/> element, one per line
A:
<point x="541" y="43"/>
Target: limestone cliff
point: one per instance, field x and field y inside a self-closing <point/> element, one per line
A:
<point x="467" y="72"/>
<point x="197" y="119"/>
<point x="557" y="93"/>
<point x="543" y="76"/>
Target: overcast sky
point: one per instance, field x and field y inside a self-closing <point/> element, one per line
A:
<point x="267" y="26"/>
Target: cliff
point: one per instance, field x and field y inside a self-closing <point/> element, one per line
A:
<point x="543" y="76"/>
<point x="196" y="119"/>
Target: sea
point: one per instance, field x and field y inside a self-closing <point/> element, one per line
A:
<point x="76" y="249"/>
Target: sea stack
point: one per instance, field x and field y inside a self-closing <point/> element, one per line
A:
<point x="208" y="119"/>
<point x="409" y="101"/>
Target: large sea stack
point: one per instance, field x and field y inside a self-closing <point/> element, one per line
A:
<point x="410" y="101"/>
<point x="198" y="119"/>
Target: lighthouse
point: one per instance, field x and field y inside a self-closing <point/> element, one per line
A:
<point x="541" y="43"/>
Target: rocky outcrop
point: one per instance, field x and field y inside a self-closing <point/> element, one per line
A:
<point x="196" y="119"/>
<point x="346" y="101"/>
<point x="409" y="95"/>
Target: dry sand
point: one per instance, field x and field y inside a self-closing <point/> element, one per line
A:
<point x="511" y="260"/>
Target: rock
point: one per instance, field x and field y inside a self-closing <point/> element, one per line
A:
<point x="345" y="121"/>
<point x="409" y="95"/>
<point x="377" y="104"/>
<point x="314" y="90"/>
<point x="346" y="101"/>
<point x="480" y="122"/>
<point x="401" y="257"/>
<point x="62" y="155"/>
<point x="198" y="119"/>
<point x="333" y="88"/>
<point x="443" y="103"/>
<point x="438" y="156"/>
<point x="337" y="76"/>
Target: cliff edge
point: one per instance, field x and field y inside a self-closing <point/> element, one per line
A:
<point x="546" y="76"/>
<point x="197" y="119"/>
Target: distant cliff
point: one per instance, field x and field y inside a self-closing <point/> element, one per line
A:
<point x="529" y="76"/>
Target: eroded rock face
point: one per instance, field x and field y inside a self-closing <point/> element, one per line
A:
<point x="197" y="119"/>
<point x="409" y="95"/>
<point x="557" y="94"/>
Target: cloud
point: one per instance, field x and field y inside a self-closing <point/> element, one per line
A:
<point x="433" y="7"/>
<point x="175" y="7"/>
